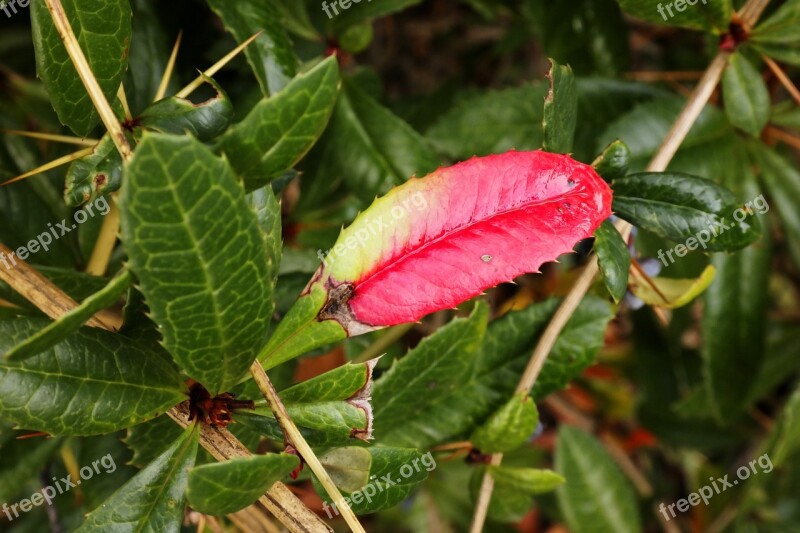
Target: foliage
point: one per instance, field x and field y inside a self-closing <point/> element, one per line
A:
<point x="388" y="205"/>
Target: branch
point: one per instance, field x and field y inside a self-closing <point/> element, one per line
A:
<point x="676" y="135"/>
<point x="295" y="438"/>
<point x="220" y="443"/>
<point x="87" y="77"/>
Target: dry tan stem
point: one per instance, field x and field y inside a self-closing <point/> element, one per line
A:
<point x="694" y="106"/>
<point x="220" y="443"/>
<point x="296" y="439"/>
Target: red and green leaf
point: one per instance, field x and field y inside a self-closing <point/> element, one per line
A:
<point x="437" y="241"/>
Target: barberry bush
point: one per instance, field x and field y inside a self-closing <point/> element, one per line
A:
<point x="399" y="265"/>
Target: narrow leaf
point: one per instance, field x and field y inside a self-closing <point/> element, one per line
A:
<point x="734" y="326"/>
<point x="71" y="321"/>
<point x="21" y="461"/>
<point x="281" y="129"/>
<point x="613" y="163"/>
<point x="782" y="179"/>
<point x="678" y="206"/>
<point x="95" y="174"/>
<point x="495" y="369"/>
<point x="370" y="148"/>
<point x="614" y="259"/>
<point x="395" y="473"/>
<point x="205" y="120"/>
<point x="103" y="29"/>
<point x="153" y="500"/>
<point x="271" y="56"/>
<point x="515" y="114"/>
<point x="509" y="427"/>
<point x="777" y="35"/>
<point x="331" y="409"/>
<point x="747" y="100"/>
<point x="348" y="467"/>
<point x="225" y="488"/>
<point x="711" y="15"/>
<point x="433" y="370"/>
<point x="560" y="110"/>
<point x="596" y="496"/>
<point x="195" y="246"/>
<point x="670" y="293"/>
<point x="92" y="382"/>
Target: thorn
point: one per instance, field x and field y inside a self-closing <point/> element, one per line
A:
<point x="162" y="87"/>
<point x="51" y="165"/>
<point x="123" y="99"/>
<point x="216" y="67"/>
<point x="52" y="137"/>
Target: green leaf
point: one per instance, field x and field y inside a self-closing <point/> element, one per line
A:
<point x="514" y="487"/>
<point x="560" y="110"/>
<point x="331" y="409"/>
<point x="589" y="35"/>
<point x="394" y="475"/>
<point x="348" y="467"/>
<point x="92" y="382"/>
<point x="527" y="480"/>
<point x="96" y="174"/>
<point x="294" y="17"/>
<point x="70" y="322"/>
<point x="370" y="148"/>
<point x="153" y="500"/>
<point x="671" y="293"/>
<point x="271" y="55"/>
<point x="23" y="216"/>
<point x="678" y="206"/>
<point x="777" y="36"/>
<point x="495" y="369"/>
<point x="268" y="213"/>
<point x="711" y="15"/>
<point x="596" y="496"/>
<point x="782" y="180"/>
<point x="342" y="17"/>
<point x="300" y="332"/>
<point x="432" y="371"/>
<point x="509" y="427"/>
<point x="515" y="115"/>
<point x="281" y="129"/>
<point x="225" y="488"/>
<point x="747" y="101"/>
<point x="196" y="249"/>
<point x="710" y="149"/>
<point x="614" y="259"/>
<point x="147" y="59"/>
<point x="784" y="439"/>
<point x="21" y="461"/>
<point x="613" y="163"/>
<point x="733" y="325"/>
<point x="205" y="120"/>
<point x="103" y="29"/>
<point x="146" y="440"/>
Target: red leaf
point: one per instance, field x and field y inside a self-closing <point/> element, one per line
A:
<point x="435" y="242"/>
<point x="482" y="222"/>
